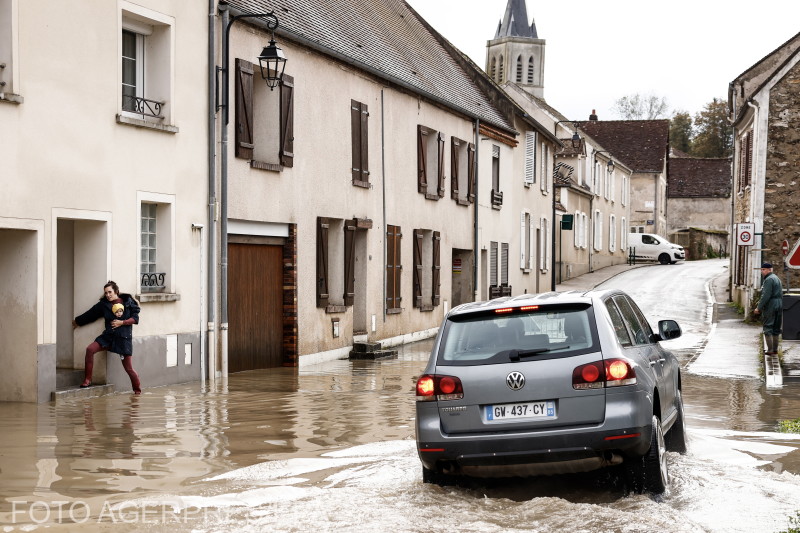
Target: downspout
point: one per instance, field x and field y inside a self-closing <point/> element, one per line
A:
<point x="383" y="192"/>
<point x="223" y="240"/>
<point x="209" y="355"/>
<point x="475" y="244"/>
<point x="756" y="279"/>
<point x="590" y="243"/>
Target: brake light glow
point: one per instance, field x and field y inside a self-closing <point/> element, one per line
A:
<point x="433" y="387"/>
<point x="529" y="308"/>
<point x="504" y="310"/>
<point x="606" y="373"/>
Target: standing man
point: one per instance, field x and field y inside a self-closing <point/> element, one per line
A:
<point x="770" y="306"/>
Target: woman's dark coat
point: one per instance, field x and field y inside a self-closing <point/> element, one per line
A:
<point x="119" y="340"/>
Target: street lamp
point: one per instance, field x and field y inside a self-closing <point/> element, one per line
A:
<point x="576" y="139"/>
<point x="272" y="62"/>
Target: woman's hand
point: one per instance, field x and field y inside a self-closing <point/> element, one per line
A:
<point x="116" y="323"/>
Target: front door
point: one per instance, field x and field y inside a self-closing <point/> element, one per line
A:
<point x="255" y="306"/>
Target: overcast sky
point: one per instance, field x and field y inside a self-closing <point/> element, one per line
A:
<point x="596" y="52"/>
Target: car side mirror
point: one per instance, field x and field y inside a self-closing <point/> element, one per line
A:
<point x="668" y="330"/>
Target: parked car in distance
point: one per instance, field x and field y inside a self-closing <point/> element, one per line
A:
<point x="549" y="384"/>
<point x="652" y="247"/>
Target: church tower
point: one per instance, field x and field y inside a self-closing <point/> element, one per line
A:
<point x="516" y="54"/>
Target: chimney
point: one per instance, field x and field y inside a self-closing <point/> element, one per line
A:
<point x="593" y="116"/>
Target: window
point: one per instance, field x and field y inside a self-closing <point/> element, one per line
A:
<point x="493" y="263"/>
<point x="612" y="186"/>
<point x="530" y="70"/>
<point x="637" y="229"/>
<point x="500" y="77"/>
<point x="259" y="112"/>
<point x="637" y="324"/>
<point x="530" y="157"/>
<point x="623" y="234"/>
<point x="156" y="254"/>
<point x="619" y="324"/>
<point x="498" y="270"/>
<point x="519" y="70"/>
<point x="497" y="195"/>
<point x="625" y="190"/>
<point x="527" y="232"/>
<point x="544" y="182"/>
<point x="612" y="233"/>
<point x="596" y="179"/>
<point x="394" y="269"/>
<point x="576" y="233"/>
<point x="745" y="160"/>
<point x="544" y="244"/>
<point x="598" y="231"/>
<point x="430" y="163"/>
<point x="427" y="268"/>
<point x="493" y="69"/>
<point x="146" y="66"/>
<point x="335" y="262"/>
<point x="462" y="171"/>
<point x="359" y="116"/>
<point x="8" y="52"/>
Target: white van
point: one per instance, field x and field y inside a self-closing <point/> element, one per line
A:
<point x="650" y="247"/>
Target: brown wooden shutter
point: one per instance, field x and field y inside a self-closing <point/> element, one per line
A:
<point x="471" y="171"/>
<point x="349" y="261"/>
<point x="364" y="143"/>
<point x="417" y="268"/>
<point x="437" y="239"/>
<point x="749" y="162"/>
<point x="359" y="135"/>
<point x="440" y="170"/>
<point x="393" y="267"/>
<point x="322" y="261"/>
<point x="244" y="109"/>
<point x="287" y="121"/>
<point x="454" y="145"/>
<point x="422" y="174"/>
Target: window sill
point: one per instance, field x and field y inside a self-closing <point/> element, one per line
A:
<point x="149" y="297"/>
<point x="429" y="196"/>
<point x="139" y="123"/>
<point x="426" y="308"/>
<point x="362" y="184"/>
<point x="334" y="309"/>
<point x="463" y="202"/>
<point x="394" y="311"/>
<point x="11" y="98"/>
<point x="262" y="165"/>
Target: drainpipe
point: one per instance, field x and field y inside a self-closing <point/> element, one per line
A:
<point x="199" y="227"/>
<point x="212" y="203"/>
<point x="223" y="240"/>
<point x="590" y="240"/>
<point x="383" y="192"/>
<point x="475" y="244"/>
<point x="753" y="207"/>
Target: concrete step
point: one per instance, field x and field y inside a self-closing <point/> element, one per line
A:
<point x="77" y="393"/>
<point x="366" y="347"/>
<point x="373" y="355"/>
<point x="67" y="378"/>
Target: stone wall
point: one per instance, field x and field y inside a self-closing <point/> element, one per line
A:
<point x="781" y="201"/>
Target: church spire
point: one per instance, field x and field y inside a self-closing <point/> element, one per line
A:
<point x="515" y="22"/>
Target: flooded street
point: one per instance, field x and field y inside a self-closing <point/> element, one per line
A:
<point x="331" y="448"/>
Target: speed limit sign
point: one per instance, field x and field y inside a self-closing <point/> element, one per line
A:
<point x="745" y="234"/>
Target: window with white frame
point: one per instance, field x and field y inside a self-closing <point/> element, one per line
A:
<point x="156" y="243"/>
<point x="544" y="174"/>
<point x="584" y="230"/>
<point x="544" y="244"/>
<point x="612" y="188"/>
<point x="530" y="157"/>
<point x="612" y="233"/>
<point x="623" y="234"/>
<point x="577" y="230"/>
<point x="8" y="49"/>
<point x="637" y="229"/>
<point x="527" y="232"/>
<point x="625" y="190"/>
<point x="596" y="176"/>
<point x="146" y="64"/>
<point x="597" y="230"/>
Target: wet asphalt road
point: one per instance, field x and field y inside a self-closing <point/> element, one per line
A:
<point x="331" y="448"/>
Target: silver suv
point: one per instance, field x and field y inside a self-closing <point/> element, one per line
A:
<point x="549" y="384"/>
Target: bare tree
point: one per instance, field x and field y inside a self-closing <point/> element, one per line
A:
<point x="641" y="107"/>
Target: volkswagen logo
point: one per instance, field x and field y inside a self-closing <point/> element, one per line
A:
<point x="515" y="380"/>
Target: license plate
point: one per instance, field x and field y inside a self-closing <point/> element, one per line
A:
<point x="545" y="409"/>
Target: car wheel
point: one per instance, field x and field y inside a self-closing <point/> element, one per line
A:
<point x="663" y="259"/>
<point x="676" y="436"/>
<point x="435" y="478"/>
<point x="649" y="473"/>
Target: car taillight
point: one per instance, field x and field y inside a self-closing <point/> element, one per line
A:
<point x="433" y="387"/>
<point x="606" y="373"/>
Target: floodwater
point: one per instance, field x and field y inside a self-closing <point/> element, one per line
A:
<point x="331" y="448"/>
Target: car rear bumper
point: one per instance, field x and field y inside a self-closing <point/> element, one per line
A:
<point x="556" y="450"/>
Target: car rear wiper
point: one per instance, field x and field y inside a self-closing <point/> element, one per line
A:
<point x="516" y="355"/>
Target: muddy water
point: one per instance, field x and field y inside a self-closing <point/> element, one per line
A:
<point x="331" y="449"/>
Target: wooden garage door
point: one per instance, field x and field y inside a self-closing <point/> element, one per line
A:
<point x="255" y="306"/>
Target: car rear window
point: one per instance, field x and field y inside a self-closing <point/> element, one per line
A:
<point x="542" y="333"/>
